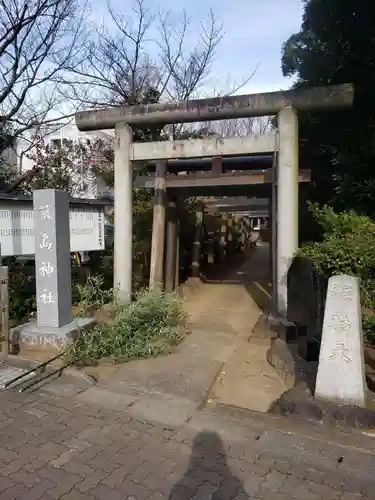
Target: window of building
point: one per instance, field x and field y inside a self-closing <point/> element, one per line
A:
<point x="56" y="143"/>
<point x="67" y="142"/>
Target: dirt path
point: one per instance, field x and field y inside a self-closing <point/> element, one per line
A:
<point x="246" y="379"/>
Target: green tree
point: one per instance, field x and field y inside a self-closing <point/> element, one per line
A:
<point x="336" y="44"/>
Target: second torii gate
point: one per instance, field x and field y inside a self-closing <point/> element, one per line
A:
<point x="284" y="104"/>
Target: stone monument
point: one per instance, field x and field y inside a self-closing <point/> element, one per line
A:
<point x="52" y="258"/>
<point x="55" y="324"/>
<point x="341" y="373"/>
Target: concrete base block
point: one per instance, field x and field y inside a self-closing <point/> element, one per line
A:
<point x="190" y="286"/>
<point x="289" y="365"/>
<point x="300" y="402"/>
<point x="32" y="334"/>
<point x="193" y="282"/>
<point x="262" y="329"/>
<point x="286" y="330"/>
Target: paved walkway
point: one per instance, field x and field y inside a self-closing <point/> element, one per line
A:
<point x="142" y="433"/>
<point x="57" y="448"/>
<point x="169" y="389"/>
<point x="216" y="363"/>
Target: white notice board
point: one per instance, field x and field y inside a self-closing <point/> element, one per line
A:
<point x="17" y="229"/>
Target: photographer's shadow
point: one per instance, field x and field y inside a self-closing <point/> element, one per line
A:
<point x="208" y="475"/>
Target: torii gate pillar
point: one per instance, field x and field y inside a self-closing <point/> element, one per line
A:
<point x="287" y="202"/>
<point x="123" y="258"/>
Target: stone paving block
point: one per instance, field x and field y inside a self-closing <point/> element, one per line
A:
<point x="180" y="492"/>
<point x="252" y="484"/>
<point x="63" y="480"/>
<point x="229" y="488"/>
<point x="101" y="492"/>
<point x="65" y="435"/>
<point x="274" y="481"/>
<point x="114" y="478"/>
<point x="128" y="461"/>
<point x="79" y="468"/>
<point x="265" y="494"/>
<point x="79" y="444"/>
<point x="31" y="451"/>
<point x="14" y="466"/>
<point x="8" y="455"/>
<point x="15" y="492"/>
<point x="303" y="472"/>
<point x="35" y="465"/>
<point x="26" y="478"/>
<point x="350" y="496"/>
<point x="321" y="490"/>
<point x="15" y="442"/>
<point x="146" y="461"/>
<point x="143" y="471"/>
<point x="92" y="480"/>
<point x="159" y="486"/>
<point x="77" y="495"/>
<point x="164" y="468"/>
<point x="90" y="453"/>
<point x="87" y="434"/>
<point x="183" y="448"/>
<point x="206" y="490"/>
<point x="37" y="491"/>
<point x="297" y="489"/>
<point x="6" y="483"/>
<point x="191" y="480"/>
<point x="258" y="468"/>
<point x="156" y="496"/>
<point x="50" y="450"/>
<point x="65" y="457"/>
<point x="241" y="496"/>
<point x="128" y="488"/>
<point x="340" y="482"/>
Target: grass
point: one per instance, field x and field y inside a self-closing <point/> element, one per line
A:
<point x="151" y="325"/>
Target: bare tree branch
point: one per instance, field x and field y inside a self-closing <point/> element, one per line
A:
<point x="143" y="58"/>
<point x="236" y="127"/>
<point x="39" y="41"/>
<point x="186" y="71"/>
<point x="240" y="127"/>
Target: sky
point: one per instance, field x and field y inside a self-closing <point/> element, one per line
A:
<point x="254" y="31"/>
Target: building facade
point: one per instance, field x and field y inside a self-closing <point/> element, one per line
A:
<point x="87" y="185"/>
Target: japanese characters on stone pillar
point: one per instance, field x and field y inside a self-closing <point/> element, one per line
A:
<point x="52" y="258"/>
<point x="341" y="372"/>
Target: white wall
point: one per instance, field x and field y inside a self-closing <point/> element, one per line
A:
<point x="8" y="156"/>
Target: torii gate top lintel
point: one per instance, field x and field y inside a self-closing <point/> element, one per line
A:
<point x="217" y="108"/>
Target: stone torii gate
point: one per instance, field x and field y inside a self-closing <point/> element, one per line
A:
<point x="285" y="105"/>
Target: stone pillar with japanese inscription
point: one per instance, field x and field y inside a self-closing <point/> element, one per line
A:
<point x="56" y="232"/>
<point x="341" y="373"/>
<point x="52" y="258"/>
